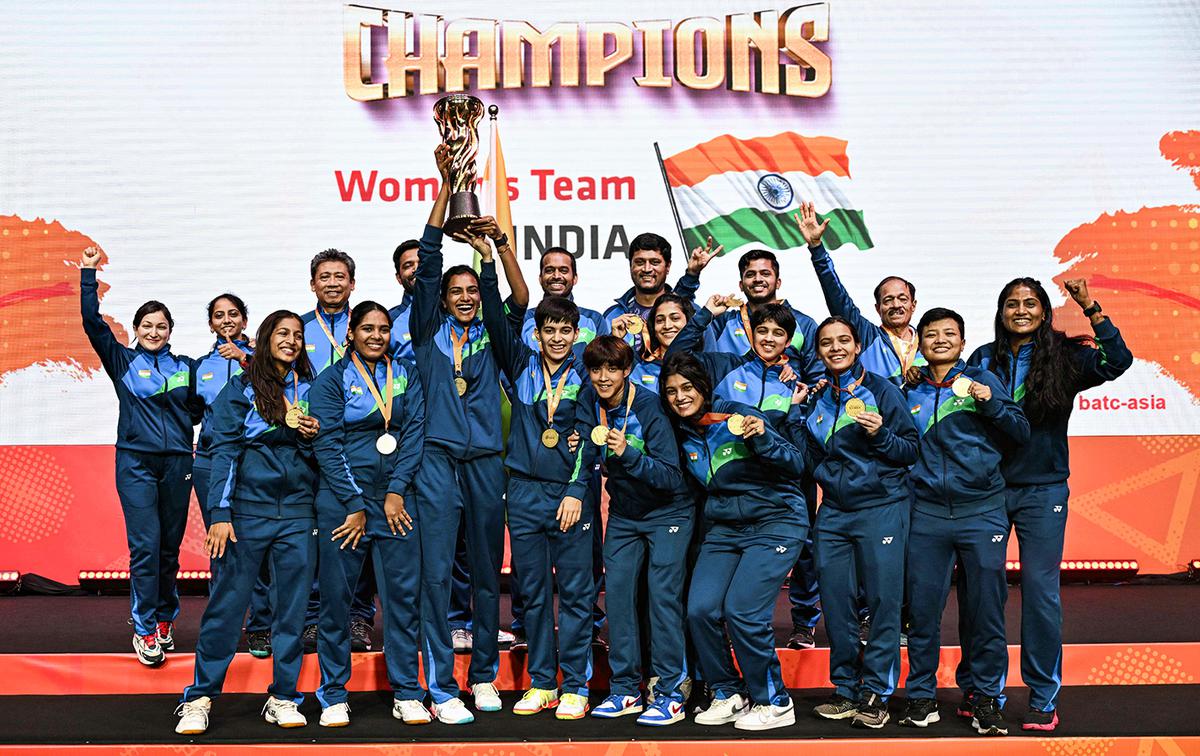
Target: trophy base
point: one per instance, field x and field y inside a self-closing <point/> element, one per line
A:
<point x="464" y="208"/>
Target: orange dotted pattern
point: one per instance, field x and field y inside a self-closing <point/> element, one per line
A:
<point x="1143" y="665"/>
<point x="1169" y="444"/>
<point x="35" y="495"/>
<point x="1078" y="746"/>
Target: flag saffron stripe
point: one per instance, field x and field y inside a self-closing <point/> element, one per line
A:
<point x="782" y="153"/>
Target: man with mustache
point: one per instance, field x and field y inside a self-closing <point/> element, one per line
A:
<point x="649" y="262"/>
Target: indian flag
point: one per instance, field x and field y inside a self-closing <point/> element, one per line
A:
<point x="745" y="191"/>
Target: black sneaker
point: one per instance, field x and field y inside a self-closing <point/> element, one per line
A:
<point x="360" y="634"/>
<point x="966" y="707"/>
<point x="872" y="712"/>
<point x="988" y="720"/>
<point x="802" y="637"/>
<point x="259" y="642"/>
<point x="520" y="641"/>
<point x="864" y="630"/>
<point x="309" y="638"/>
<point x="1045" y="721"/>
<point x="920" y="712"/>
<point x="837" y="707"/>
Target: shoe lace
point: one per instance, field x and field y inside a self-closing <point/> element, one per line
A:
<point x="191" y="708"/>
<point x="986" y="706"/>
<point x="150" y="640"/>
<point x="284" y="706"/>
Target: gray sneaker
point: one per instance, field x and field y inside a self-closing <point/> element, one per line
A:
<point x="837" y="707"/>
<point x="872" y="712"/>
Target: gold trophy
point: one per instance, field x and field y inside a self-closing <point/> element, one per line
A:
<point x="458" y="117"/>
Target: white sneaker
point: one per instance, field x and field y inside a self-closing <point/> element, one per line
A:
<point x="411" y="712"/>
<point x="503" y="636"/>
<point x="767" y="717"/>
<point x="283" y="713"/>
<point x="461" y="639"/>
<point x="535" y="700"/>
<point x="723" y="710"/>
<point x="487" y="698"/>
<point x="337" y="715"/>
<point x="193" y="716"/>
<point x="148" y="650"/>
<point x="453" y="712"/>
<point x="571" y="706"/>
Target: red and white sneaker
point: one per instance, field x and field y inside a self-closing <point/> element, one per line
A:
<point x="166" y="635"/>
<point x="148" y="650"/>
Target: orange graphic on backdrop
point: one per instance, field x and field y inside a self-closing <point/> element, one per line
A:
<point x="39" y="296"/>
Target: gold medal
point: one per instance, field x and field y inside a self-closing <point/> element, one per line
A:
<point x="855" y="407"/>
<point x="736" y="424"/>
<point x="460" y="383"/>
<point x="385" y="444"/>
<point x="635" y="326"/>
<point x="292" y="418"/>
<point x="549" y="438"/>
<point x="961" y="386"/>
<point x="600" y="435"/>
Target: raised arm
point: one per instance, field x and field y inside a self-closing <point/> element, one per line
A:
<point x="113" y="355"/>
<point x="1112" y="357"/>
<point x="426" y="304"/>
<point x="836" y="299"/>
<point x="510" y="351"/>
<point x="691" y="337"/>
<point x="327" y="403"/>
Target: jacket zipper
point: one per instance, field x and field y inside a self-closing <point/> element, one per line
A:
<point x="937" y="396"/>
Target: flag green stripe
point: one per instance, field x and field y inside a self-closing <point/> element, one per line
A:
<point x="777" y="230"/>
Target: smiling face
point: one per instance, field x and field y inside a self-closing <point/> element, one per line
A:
<point x="372" y="336"/>
<point x="407" y="274"/>
<point x="648" y="269"/>
<point x="769" y="340"/>
<point x="153" y="331"/>
<point x="332" y="284"/>
<point x="682" y="396"/>
<point x="227" y="320"/>
<point x="287" y="340"/>
<point x="896" y="305"/>
<point x="942" y="342"/>
<point x="608" y="380"/>
<point x="462" y="297"/>
<point x="669" y="320"/>
<point x="557" y="276"/>
<point x="760" y="282"/>
<point x="837" y="348"/>
<point x="1023" y="312"/>
<point x="557" y="338"/>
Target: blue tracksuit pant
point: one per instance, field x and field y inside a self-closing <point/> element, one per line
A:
<point x="1039" y="515"/>
<point x="260" y="603"/>
<point x="803" y="591"/>
<point x="545" y="556"/>
<point x="735" y="583"/>
<point x="290" y="547"/>
<point x="658" y="544"/>
<point x="398" y="560"/>
<point x="472" y="490"/>
<point x="362" y="604"/>
<point x="155" y="490"/>
<point x="978" y="542"/>
<point x="862" y="550"/>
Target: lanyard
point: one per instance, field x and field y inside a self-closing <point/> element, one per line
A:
<point x="384" y="405"/>
<point x="295" y="394"/>
<point x="782" y="359"/>
<point x="849" y="390"/>
<point x="554" y="397"/>
<point x="905" y="350"/>
<point x="337" y="348"/>
<point x="458" y="347"/>
<point x="628" y="405"/>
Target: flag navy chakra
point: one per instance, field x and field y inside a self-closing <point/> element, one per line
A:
<point x="745" y="191"/>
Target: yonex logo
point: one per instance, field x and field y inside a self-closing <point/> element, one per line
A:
<point x="1058" y="508"/>
<point x="587" y="526"/>
<point x="314" y="531"/>
<point x="187" y="477"/>
<point x="673" y="529"/>
<point x="887" y="540"/>
<point x="997" y="538"/>
<point x="780" y="549"/>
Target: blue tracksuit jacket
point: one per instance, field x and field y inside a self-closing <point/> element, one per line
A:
<point x="591" y="324"/>
<point x="401" y="345"/>
<point x="212" y="373"/>
<point x="727" y="333"/>
<point x="155" y="390"/>
<point x="686" y="287"/>
<point x="321" y="353"/>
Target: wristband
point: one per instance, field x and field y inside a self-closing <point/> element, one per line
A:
<point x="1095" y="308"/>
<point x="501" y="240"/>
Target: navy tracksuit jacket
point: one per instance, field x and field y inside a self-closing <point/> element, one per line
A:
<point x="155" y="396"/>
<point x="958" y="513"/>
<point x="401" y="345"/>
<point x="538" y="478"/>
<point x="1036" y="474"/>
<point x="756" y="520"/>
<point x="264" y="480"/>
<point x="727" y="333"/>
<point x="686" y="287"/>
<point x="461" y="476"/>
<point x="651" y="514"/>
<point x="355" y="477"/>
<point x="862" y="526"/>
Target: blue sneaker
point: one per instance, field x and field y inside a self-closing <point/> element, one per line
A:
<point x="662" y="712"/>
<point x="618" y="706"/>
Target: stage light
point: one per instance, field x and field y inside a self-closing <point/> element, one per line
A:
<point x="10" y="581"/>
<point x="117" y="581"/>
<point x="1085" y="570"/>
<point x="1194" y="569"/>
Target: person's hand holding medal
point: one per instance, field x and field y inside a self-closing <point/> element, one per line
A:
<point x="746" y="426"/>
<point x="964" y="387"/>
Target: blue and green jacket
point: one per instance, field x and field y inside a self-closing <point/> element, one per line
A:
<point x="878" y="355"/>
<point x="1046" y="457"/>
<point x="727" y="333"/>
<point x="259" y="469"/>
<point x="401" y="345"/>
<point x="958" y="471"/>
<point x="686" y="287"/>
<point x="646" y="480"/>
<point x="320" y="352"/>
<point x="857" y="471"/>
<point x="522" y="366"/>
<point x="747" y="480"/>
<point x="352" y="469"/>
<point x="155" y="390"/>
<point x="212" y="373"/>
<point x="465" y="426"/>
<point x="591" y="325"/>
<point x="645" y="372"/>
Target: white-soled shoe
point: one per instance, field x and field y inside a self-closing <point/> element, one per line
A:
<point x="462" y="640"/>
<point x="283" y="713"/>
<point x="487" y="698"/>
<point x="535" y="700"/>
<point x="767" y="717"/>
<point x="571" y="706"/>
<point x="453" y="712"/>
<point x="337" y="715"/>
<point x="193" y="716"/>
<point x="148" y="650"/>
<point x="723" y="710"/>
<point x="411" y="712"/>
<point x="503" y="637"/>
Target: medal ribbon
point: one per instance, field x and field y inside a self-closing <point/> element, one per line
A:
<point x="337" y="348"/>
<point x="384" y="405"/>
<point x="905" y="350"/>
<point x="849" y="390"/>
<point x="628" y="405"/>
<point x="782" y="359"/>
<point x="295" y="393"/>
<point x="712" y="418"/>
<point x="951" y="377"/>
<point x="553" y="398"/>
<point x="458" y="347"/>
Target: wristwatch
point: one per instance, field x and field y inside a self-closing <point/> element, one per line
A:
<point x="1095" y="308"/>
<point x="501" y="241"/>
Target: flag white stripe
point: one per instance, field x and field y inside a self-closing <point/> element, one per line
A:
<point x="726" y="193"/>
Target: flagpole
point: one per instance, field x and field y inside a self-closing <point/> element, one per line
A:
<point x="670" y="197"/>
